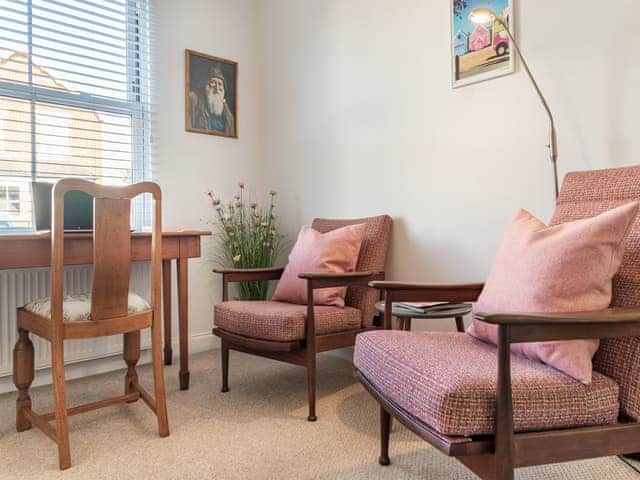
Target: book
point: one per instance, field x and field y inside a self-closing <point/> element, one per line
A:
<point x="425" y="307"/>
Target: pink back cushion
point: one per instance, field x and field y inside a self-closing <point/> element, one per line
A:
<point x="563" y="268"/>
<point x="373" y="254"/>
<point x="586" y="194"/>
<point x="335" y="251"/>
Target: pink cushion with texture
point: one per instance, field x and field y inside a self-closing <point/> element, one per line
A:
<point x="562" y="268"/>
<point x="314" y="252"/>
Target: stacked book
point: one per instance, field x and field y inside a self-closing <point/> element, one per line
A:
<point x="427" y="307"/>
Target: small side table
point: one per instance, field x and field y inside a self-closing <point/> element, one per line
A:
<point x="405" y="316"/>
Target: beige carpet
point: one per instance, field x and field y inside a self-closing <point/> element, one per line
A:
<point x="257" y="430"/>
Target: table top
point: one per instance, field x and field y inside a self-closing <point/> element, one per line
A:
<point x="399" y="312"/>
<point x="46" y="234"/>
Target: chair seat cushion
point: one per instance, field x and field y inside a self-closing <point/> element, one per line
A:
<point x="449" y="381"/>
<point x="281" y="321"/>
<point x="77" y="307"/>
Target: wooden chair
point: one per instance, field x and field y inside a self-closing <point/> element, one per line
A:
<point x="109" y="310"/>
<point x="521" y="413"/>
<point x="296" y="333"/>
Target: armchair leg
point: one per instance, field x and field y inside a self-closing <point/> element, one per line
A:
<point x="224" y="351"/>
<point x="311" y="387"/>
<point x="23" y="373"/>
<point x="385" y="432"/>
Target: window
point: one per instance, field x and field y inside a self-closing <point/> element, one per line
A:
<point x="74" y="98"/>
<point x="10" y="199"/>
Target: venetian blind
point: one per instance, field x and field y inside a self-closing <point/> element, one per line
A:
<point x="75" y="98"/>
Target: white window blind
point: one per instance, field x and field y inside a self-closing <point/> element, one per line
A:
<point x="75" y="98"/>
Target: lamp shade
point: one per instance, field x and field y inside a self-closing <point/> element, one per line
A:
<point x="482" y="15"/>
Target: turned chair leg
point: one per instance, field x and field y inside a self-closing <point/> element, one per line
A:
<point x="158" y="379"/>
<point x="60" y="400"/>
<point x="131" y="353"/>
<point x="23" y="373"/>
<point x="224" y="351"/>
<point x="311" y="387"/>
<point x="385" y="432"/>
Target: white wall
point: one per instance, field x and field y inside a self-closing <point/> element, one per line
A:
<point x="360" y="119"/>
<point x="190" y="164"/>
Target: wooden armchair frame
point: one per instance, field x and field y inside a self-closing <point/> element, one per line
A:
<point x="297" y="352"/>
<point x="494" y="457"/>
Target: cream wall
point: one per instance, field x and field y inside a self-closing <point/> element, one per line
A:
<point x="359" y="118"/>
<point x="188" y="164"/>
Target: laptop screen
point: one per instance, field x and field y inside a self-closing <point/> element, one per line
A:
<point x="78" y="208"/>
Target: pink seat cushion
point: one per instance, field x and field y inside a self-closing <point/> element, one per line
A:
<point x="335" y="251"/>
<point x="449" y="381"/>
<point x="282" y="322"/>
<point x="563" y="268"/>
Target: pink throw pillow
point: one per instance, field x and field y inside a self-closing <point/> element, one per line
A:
<point x="335" y="251"/>
<point x="564" y="268"/>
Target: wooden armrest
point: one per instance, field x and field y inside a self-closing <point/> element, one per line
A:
<point x="231" y="275"/>
<point x="429" y="292"/>
<point x="538" y="327"/>
<point x="329" y="279"/>
<point x="608" y="315"/>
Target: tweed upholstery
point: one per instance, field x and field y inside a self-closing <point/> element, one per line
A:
<point x="586" y="194"/>
<point x="373" y="254"/>
<point x="281" y="321"/>
<point x="449" y="381"/>
<point x="77" y="307"/>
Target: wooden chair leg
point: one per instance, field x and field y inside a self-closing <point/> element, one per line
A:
<point x="385" y="433"/>
<point x="311" y="387"/>
<point x="158" y="378"/>
<point x="131" y="353"/>
<point x="60" y="400"/>
<point x="23" y="373"/>
<point x="224" y="351"/>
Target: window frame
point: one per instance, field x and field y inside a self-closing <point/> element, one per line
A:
<point x="136" y="107"/>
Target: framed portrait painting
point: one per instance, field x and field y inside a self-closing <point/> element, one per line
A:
<point x="211" y="95"/>
<point x="480" y="45"/>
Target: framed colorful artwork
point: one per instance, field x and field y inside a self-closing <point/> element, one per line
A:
<point x="480" y="45"/>
<point x="211" y="95"/>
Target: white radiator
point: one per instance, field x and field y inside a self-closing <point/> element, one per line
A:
<point x="18" y="287"/>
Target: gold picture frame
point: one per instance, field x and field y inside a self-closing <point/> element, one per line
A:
<point x="211" y="95"/>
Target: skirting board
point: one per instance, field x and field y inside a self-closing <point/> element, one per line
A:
<point x="197" y="343"/>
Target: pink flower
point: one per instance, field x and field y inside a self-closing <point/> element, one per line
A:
<point x="253" y="205"/>
<point x="264" y="224"/>
<point x="216" y="201"/>
<point x="236" y="196"/>
<point x="241" y="184"/>
<point x="218" y="206"/>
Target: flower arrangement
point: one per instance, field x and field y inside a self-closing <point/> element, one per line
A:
<point x="248" y="237"/>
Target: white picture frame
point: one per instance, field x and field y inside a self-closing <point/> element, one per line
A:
<point x="480" y="52"/>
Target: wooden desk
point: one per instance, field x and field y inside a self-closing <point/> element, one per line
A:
<point x="34" y="250"/>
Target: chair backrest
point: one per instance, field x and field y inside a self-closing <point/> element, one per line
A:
<point x="111" y="246"/>
<point x="373" y="254"/>
<point x="586" y="194"/>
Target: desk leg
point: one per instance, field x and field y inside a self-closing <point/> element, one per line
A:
<point x="183" y="318"/>
<point x="460" y="324"/>
<point x="166" y="307"/>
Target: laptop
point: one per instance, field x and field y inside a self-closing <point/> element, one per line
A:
<point x="78" y="209"/>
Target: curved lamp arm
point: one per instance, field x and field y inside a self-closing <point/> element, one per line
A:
<point x="553" y="139"/>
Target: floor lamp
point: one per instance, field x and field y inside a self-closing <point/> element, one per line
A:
<point x="482" y="16"/>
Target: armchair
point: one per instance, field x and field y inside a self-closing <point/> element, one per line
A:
<point x="495" y="411"/>
<point x="296" y="333"/>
